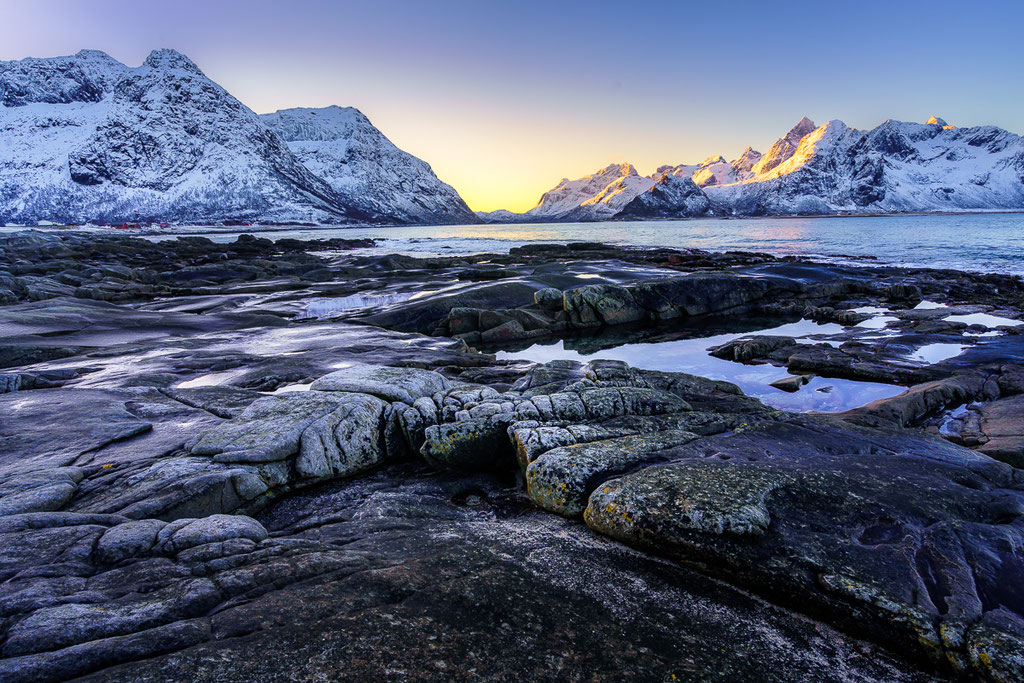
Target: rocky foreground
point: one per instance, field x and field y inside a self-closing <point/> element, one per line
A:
<point x="200" y="481"/>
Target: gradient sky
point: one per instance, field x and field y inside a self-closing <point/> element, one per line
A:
<point x="503" y="100"/>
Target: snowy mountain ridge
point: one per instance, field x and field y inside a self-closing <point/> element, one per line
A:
<point x="86" y="138"/>
<point x="340" y="145"/>
<point x="599" y="195"/>
<point x="828" y="169"/>
<point x="895" y="167"/>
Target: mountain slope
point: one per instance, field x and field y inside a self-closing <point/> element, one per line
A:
<point x="669" y="197"/>
<point x="366" y="169"/>
<point x="897" y="166"/>
<point x="599" y="195"/>
<point x="89" y="139"/>
<point x="784" y="147"/>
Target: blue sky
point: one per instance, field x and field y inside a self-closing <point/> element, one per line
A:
<point x="504" y="99"/>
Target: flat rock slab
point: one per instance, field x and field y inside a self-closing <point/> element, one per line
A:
<point x="391" y="384"/>
<point x="1002" y="422"/>
<point x="57" y="426"/>
<point x="914" y="546"/>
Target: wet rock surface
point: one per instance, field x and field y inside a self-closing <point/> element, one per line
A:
<point x="199" y="481"/>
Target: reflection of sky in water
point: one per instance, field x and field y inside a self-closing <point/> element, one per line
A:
<point x="985" y="319"/>
<point x="936" y="353"/>
<point x="691" y="356"/>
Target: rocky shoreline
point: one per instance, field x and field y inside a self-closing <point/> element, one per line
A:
<point x="281" y="459"/>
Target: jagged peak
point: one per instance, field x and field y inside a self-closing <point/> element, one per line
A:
<point x="713" y="159"/>
<point x="622" y="169"/>
<point x="166" y="58"/>
<point x="802" y="127"/>
<point x="834" y="124"/>
<point x="936" y="121"/>
<point x="320" y="124"/>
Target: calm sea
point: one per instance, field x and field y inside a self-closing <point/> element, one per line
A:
<point x="976" y="242"/>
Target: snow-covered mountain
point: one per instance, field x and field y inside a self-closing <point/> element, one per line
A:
<point x="366" y="169"/>
<point x="86" y="138"/>
<point x="744" y="165"/>
<point x="669" y="197"/>
<point x="714" y="170"/>
<point x="833" y="168"/>
<point x="599" y="195"/>
<point x="897" y="166"/>
<point x="784" y="147"/>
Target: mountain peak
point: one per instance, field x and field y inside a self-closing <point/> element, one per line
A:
<point x="317" y="124"/>
<point x="95" y="55"/>
<point x="936" y="121"/>
<point x="802" y="127"/>
<point x="622" y="169"/>
<point x="784" y="147"/>
<point x="167" y="58"/>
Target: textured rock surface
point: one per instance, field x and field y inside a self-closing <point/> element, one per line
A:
<point x="208" y="484"/>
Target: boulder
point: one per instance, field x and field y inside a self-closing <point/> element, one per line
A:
<point x="561" y="479"/>
<point x="549" y="298"/>
<point x="388" y="383"/>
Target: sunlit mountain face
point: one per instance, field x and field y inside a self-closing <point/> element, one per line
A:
<point x="828" y="169"/>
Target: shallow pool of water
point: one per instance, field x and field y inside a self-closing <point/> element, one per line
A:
<point x="985" y="319"/>
<point x="691" y="355"/>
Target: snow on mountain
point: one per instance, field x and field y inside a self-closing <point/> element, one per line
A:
<point x="366" y="169"/>
<point x="669" y="197"/>
<point x="784" y="147"/>
<point x="85" y="138"/>
<point x="743" y="167"/>
<point x="897" y="166"/>
<point x="679" y="171"/>
<point x="714" y="170"/>
<point x="599" y="195"/>
<point x="502" y="216"/>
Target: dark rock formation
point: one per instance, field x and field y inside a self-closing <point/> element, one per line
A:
<point x="207" y="484"/>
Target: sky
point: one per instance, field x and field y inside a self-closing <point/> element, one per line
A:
<point x="505" y="99"/>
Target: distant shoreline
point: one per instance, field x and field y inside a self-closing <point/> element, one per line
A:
<point x="281" y="227"/>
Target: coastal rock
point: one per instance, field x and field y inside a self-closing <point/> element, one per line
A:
<point x="326" y="581"/>
<point x="391" y="384"/>
<point x="926" y="399"/>
<point x="562" y="479"/>
<point x="1002" y="424"/>
<point x="231" y="538"/>
<point x="742" y="504"/>
<point x="750" y="348"/>
<point x="332" y="433"/>
<point x="791" y="383"/>
<point x="549" y="299"/>
<point x="38" y="490"/>
<point x="183" y="534"/>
